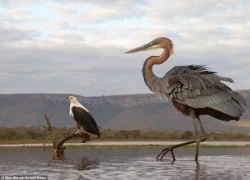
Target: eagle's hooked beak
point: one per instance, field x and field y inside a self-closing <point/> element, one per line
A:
<point x="146" y="47"/>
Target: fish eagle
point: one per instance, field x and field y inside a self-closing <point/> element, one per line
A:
<point x="82" y="117"/>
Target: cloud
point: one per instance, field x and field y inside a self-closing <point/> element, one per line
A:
<point x="78" y="48"/>
<point x="10" y="35"/>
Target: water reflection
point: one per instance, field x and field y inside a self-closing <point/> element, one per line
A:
<point x="211" y="167"/>
<point x="128" y="163"/>
<point x="86" y="164"/>
<point x="81" y="164"/>
<point x="197" y="171"/>
<point x="57" y="156"/>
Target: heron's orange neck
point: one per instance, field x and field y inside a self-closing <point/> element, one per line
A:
<point x="149" y="63"/>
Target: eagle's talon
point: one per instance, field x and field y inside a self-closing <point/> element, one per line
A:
<point x="78" y="132"/>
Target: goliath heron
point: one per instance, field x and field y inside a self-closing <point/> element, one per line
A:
<point x="82" y="117"/>
<point x="193" y="90"/>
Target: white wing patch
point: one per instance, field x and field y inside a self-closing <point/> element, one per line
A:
<point x="83" y="107"/>
<point x="76" y="104"/>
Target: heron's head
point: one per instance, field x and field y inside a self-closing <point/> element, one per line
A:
<point x="161" y="42"/>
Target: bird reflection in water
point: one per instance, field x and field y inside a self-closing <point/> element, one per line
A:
<point x="86" y="164"/>
<point x="58" y="156"/>
<point x="81" y="164"/>
<point x="197" y="171"/>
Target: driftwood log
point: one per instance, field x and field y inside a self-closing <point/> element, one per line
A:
<point x="58" y="144"/>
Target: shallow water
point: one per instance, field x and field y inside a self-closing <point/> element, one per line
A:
<point x="127" y="163"/>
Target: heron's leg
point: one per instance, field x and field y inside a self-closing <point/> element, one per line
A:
<point x="171" y="148"/>
<point x="197" y="139"/>
<point x="204" y="138"/>
<point x="202" y="129"/>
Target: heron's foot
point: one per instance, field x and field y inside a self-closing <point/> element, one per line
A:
<point x="171" y="149"/>
<point x="165" y="151"/>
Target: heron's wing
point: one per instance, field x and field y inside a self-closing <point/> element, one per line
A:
<point x="86" y="120"/>
<point x="197" y="87"/>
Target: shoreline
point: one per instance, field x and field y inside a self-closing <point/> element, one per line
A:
<point x="133" y="143"/>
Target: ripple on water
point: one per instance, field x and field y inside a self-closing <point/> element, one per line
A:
<point x="136" y="163"/>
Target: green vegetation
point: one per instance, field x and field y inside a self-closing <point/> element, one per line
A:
<point x="40" y="134"/>
<point x="109" y="134"/>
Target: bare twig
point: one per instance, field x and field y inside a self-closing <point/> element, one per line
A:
<point x="49" y="128"/>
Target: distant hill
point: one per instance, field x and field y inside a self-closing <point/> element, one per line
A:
<point x="138" y="111"/>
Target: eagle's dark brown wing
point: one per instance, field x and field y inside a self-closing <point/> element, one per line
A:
<point x="86" y="120"/>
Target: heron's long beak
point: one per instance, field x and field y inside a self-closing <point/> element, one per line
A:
<point x="145" y="47"/>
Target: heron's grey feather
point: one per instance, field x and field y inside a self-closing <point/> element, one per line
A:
<point x="197" y="87"/>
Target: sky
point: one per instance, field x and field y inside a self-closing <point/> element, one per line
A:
<point x="78" y="47"/>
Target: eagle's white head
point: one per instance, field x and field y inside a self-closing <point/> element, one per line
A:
<point x="74" y="102"/>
